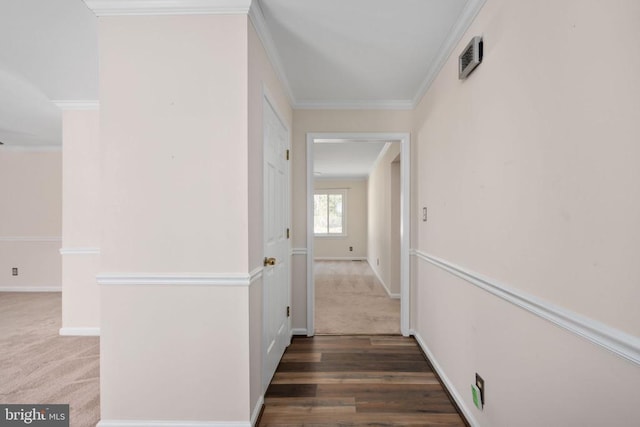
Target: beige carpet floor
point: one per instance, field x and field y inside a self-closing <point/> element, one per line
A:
<point x="351" y="300"/>
<point x="37" y="366"/>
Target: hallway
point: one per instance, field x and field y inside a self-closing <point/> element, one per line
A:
<point x="351" y="300"/>
<point x="356" y="381"/>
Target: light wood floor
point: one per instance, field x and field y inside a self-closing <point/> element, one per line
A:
<point x="38" y="366"/>
<point x="356" y="381"/>
<point x="349" y="299"/>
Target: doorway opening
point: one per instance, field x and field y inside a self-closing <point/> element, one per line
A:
<point x="330" y="222"/>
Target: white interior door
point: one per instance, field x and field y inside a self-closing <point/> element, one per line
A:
<point x="276" y="274"/>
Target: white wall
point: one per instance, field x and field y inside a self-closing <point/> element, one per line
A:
<point x="262" y="80"/>
<point x="305" y="121"/>
<point x="31" y="225"/>
<point x="81" y="215"/>
<point x="174" y="151"/>
<point x="528" y="171"/>
<point x="380" y="195"/>
<point x="337" y="247"/>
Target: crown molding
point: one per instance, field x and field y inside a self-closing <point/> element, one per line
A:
<point x="388" y="104"/>
<point x="70" y="104"/>
<point x="262" y="30"/>
<point x="468" y="14"/>
<point x="32" y="148"/>
<point x="167" y="7"/>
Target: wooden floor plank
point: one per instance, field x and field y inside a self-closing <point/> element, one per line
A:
<point x="357" y="381"/>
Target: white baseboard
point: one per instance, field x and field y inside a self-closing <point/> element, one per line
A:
<point x="299" y="331"/>
<point x="338" y="258"/>
<point x="384" y="285"/>
<point x="30" y="288"/>
<point x="257" y="410"/>
<point x="445" y="379"/>
<point x="79" y="332"/>
<point x="160" y="423"/>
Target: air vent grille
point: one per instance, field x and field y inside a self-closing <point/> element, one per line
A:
<point x="470" y="57"/>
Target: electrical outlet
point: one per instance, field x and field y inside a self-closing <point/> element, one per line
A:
<point x="424" y="214"/>
<point x="14" y="271"/>
<point x="350" y="248"/>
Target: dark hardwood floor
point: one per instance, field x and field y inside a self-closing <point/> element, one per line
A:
<point x="356" y="381"/>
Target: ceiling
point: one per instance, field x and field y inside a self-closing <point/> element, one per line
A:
<point x="353" y="53"/>
<point x="329" y="54"/>
<point x="345" y="158"/>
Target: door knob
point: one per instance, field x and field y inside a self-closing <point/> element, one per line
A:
<point x="269" y="261"/>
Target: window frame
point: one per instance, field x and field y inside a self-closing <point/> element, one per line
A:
<point x="333" y="191"/>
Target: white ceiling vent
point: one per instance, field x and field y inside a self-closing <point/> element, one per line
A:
<point x="470" y="57"/>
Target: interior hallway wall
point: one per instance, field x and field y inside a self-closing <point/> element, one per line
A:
<point x="262" y="81"/>
<point x="31" y="219"/>
<point x="379" y="196"/>
<point x="81" y="222"/>
<point x="529" y="171"/>
<point x="175" y="278"/>
<point x="309" y="121"/>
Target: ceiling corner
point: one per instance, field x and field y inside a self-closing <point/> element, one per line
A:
<point x="468" y="14"/>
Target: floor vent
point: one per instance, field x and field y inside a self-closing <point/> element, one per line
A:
<point x="470" y="57"/>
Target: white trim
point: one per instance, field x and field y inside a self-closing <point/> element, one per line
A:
<point x="405" y="219"/>
<point x="32" y="148"/>
<point x="612" y="339"/>
<point x="161" y="423"/>
<point x="255" y="274"/>
<point x="445" y="379"/>
<point x="178" y="279"/>
<point x="65" y="104"/>
<point x="30" y="288"/>
<point x="262" y="30"/>
<point x="379" y="158"/>
<point x="384" y="285"/>
<point x="468" y="14"/>
<point x="383" y="104"/>
<point x="29" y="239"/>
<point x="79" y="332"/>
<point x="298" y="251"/>
<point x="340" y="258"/>
<point x="299" y="331"/>
<point x="256" y="410"/>
<point x="167" y="7"/>
<point x="80" y="251"/>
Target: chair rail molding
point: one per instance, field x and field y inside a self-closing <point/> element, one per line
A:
<point x="620" y="343"/>
<point x="179" y="279"/>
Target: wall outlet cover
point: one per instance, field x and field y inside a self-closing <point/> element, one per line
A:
<point x="477" y="400"/>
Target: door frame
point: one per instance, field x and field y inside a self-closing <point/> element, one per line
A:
<point x="405" y="220"/>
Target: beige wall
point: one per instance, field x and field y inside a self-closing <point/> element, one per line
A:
<point x="31" y="225"/>
<point x="527" y="169"/>
<point x="338" y="247"/>
<point x="380" y="195"/>
<point x="80" y="222"/>
<point x="175" y="187"/>
<point x="262" y="81"/>
<point x="308" y="121"/>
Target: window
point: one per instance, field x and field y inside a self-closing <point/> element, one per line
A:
<point x="329" y="213"/>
